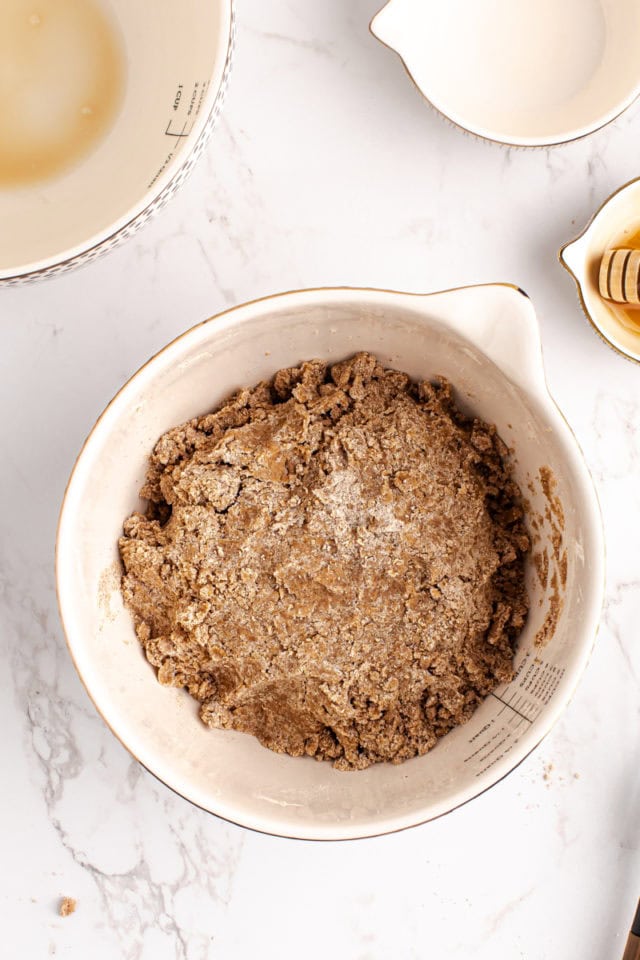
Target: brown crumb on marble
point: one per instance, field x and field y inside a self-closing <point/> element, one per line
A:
<point x="332" y="561"/>
<point x="67" y="906"/>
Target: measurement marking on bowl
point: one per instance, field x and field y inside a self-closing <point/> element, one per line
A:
<point x="184" y="111"/>
<point x="511" y="707"/>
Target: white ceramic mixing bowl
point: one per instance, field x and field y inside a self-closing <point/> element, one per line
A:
<point x="177" y="63"/>
<point x="486" y="341"/>
<point x="523" y="72"/>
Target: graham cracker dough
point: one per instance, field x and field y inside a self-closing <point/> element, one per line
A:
<point x="332" y="561"/>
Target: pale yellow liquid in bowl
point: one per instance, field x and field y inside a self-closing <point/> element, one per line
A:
<point x="61" y="85"/>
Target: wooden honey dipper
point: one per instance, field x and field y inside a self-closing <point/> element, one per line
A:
<point x="620" y="276"/>
<point x="632" y="951"/>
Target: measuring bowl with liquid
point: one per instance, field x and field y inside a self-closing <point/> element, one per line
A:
<point x="104" y="107"/>
<point x="616" y="225"/>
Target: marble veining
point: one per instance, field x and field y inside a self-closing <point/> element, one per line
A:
<point x="327" y="168"/>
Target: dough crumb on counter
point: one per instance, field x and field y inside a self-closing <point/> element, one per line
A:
<point x="67" y="906"/>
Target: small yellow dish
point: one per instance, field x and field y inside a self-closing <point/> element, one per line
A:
<point x="615" y="225"/>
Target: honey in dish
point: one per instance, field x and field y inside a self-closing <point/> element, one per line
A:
<point x="61" y="85"/>
<point x="627" y="315"/>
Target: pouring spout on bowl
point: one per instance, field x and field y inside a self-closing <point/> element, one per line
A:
<point x="387" y="25"/>
<point x="572" y="256"/>
<point x="500" y="320"/>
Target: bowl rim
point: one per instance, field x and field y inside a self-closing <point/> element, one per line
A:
<point x="589" y="630"/>
<point x="154" y="197"/>
<point x="570" y="136"/>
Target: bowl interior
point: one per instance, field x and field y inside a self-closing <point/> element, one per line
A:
<point x="520" y="71"/>
<point x="175" y="58"/>
<point x="230" y="773"/>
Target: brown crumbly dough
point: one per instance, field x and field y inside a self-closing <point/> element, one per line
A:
<point x="67" y="906"/>
<point x="332" y="561"/>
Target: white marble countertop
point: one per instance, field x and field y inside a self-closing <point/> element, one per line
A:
<point x="327" y="168"/>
